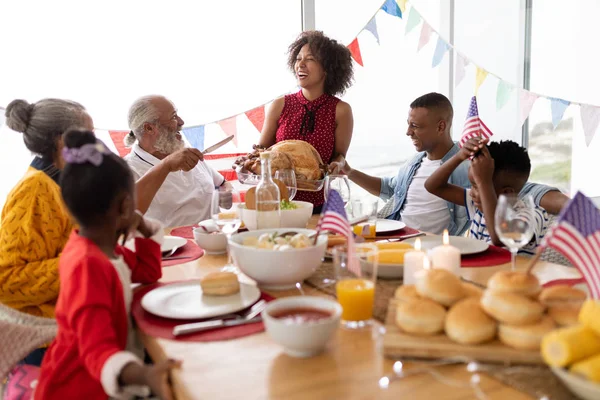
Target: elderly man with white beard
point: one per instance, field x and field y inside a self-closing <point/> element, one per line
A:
<point x="174" y="185"/>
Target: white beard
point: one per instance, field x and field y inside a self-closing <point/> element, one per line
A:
<point x="167" y="142"/>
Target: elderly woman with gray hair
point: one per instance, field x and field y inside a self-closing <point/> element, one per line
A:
<point x="35" y="225"/>
<point x="158" y="151"/>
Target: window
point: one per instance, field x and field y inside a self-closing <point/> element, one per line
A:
<point x="213" y="59"/>
<point x="564" y="65"/>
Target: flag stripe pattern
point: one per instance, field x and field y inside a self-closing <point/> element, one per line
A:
<point x="474" y="126"/>
<point x="577" y="236"/>
<point x="333" y="219"/>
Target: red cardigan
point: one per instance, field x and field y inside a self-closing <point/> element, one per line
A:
<point x="91" y="316"/>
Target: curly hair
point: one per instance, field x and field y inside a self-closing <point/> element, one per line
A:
<point x="333" y="56"/>
<point x="509" y="156"/>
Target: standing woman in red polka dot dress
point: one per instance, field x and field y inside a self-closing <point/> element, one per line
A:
<point x="323" y="68"/>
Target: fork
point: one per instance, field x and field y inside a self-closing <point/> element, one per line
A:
<point x="258" y="304"/>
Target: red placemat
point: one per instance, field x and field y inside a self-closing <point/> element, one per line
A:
<point x="189" y="250"/>
<point x="492" y="256"/>
<point x="155" y="326"/>
<point x="402" y="232"/>
<point x="568" y="282"/>
<point x="186" y="232"/>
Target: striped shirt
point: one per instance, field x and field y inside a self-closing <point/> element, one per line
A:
<point x="479" y="231"/>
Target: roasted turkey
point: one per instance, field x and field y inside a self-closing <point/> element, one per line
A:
<point x="298" y="155"/>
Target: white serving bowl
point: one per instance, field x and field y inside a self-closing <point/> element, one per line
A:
<point x="297" y="218"/>
<point x="302" y="339"/>
<point x="273" y="269"/>
<point x="579" y="386"/>
<point x="211" y="243"/>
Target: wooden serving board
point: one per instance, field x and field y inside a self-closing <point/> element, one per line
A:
<point x="397" y="344"/>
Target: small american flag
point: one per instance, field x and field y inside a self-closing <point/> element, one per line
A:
<point x="474" y="126"/>
<point x="576" y="235"/>
<point x="333" y="219"/>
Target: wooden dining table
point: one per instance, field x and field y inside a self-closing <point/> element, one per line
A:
<point x="255" y="367"/>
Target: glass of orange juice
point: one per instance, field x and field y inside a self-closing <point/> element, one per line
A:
<point x="365" y="209"/>
<point x="356" y="275"/>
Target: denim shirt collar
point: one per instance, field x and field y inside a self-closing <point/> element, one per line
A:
<point x="47" y="167"/>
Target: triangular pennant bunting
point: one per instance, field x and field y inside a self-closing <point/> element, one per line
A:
<point x="257" y="117"/>
<point x="503" y="93"/>
<point x="526" y="101"/>
<point x="461" y="64"/>
<point x="414" y="18"/>
<point x="195" y="135"/>
<point x="229" y="126"/>
<point x="118" y="138"/>
<point x="479" y="78"/>
<point x="590" y="118"/>
<point x="372" y="27"/>
<point x="402" y="5"/>
<point x="558" y="108"/>
<point x="425" y="35"/>
<point x="392" y="8"/>
<point x="441" y="48"/>
<point x="355" y="52"/>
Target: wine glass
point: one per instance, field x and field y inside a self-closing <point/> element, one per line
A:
<point x="225" y="214"/>
<point x="514" y="222"/>
<point x="288" y="177"/>
<point x="339" y="183"/>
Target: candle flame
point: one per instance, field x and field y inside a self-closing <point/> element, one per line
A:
<point x="418" y="244"/>
<point x="446" y="239"/>
<point x="426" y="263"/>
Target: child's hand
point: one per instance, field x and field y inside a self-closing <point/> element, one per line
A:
<point x="472" y="147"/>
<point x="157" y="378"/>
<point x="483" y="167"/>
<point x="138" y="224"/>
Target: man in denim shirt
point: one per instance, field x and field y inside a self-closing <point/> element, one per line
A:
<point x="429" y="123"/>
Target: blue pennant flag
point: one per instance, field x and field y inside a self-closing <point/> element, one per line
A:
<point x="440" y="49"/>
<point x="392" y="8"/>
<point x="372" y="27"/>
<point x="558" y="108"/>
<point x="195" y="135"/>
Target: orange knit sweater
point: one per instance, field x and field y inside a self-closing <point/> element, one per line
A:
<point x="34" y="228"/>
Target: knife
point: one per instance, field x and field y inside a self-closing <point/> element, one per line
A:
<point x="208" y="325"/>
<point x="216" y="146"/>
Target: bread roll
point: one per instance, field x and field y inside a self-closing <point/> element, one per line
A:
<point x="220" y="284"/>
<point x="420" y="317"/>
<point x="472" y="290"/>
<point x="526" y="337"/>
<point x="564" y="315"/>
<point x="561" y="294"/>
<point x="511" y="308"/>
<point x="515" y="282"/>
<point x="251" y="198"/>
<point x="336" y="240"/>
<point x="565" y="346"/>
<point x="441" y="286"/>
<point x="406" y="293"/>
<point x="467" y="323"/>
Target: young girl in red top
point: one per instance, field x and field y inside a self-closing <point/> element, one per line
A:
<point x="95" y="354"/>
<point x="323" y="68"/>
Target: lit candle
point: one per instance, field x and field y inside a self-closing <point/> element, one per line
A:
<point x="413" y="263"/>
<point x="446" y="256"/>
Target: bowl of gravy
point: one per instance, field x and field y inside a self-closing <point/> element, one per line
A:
<point x="303" y="325"/>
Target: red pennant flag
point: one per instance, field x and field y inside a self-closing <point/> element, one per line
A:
<point x="117" y="138"/>
<point x="229" y="126"/>
<point x="257" y="117"/>
<point x="355" y="51"/>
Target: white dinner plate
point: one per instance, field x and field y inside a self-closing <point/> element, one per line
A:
<point x="171" y="243"/>
<point x="465" y="245"/>
<point x="184" y="300"/>
<point x="389" y="225"/>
